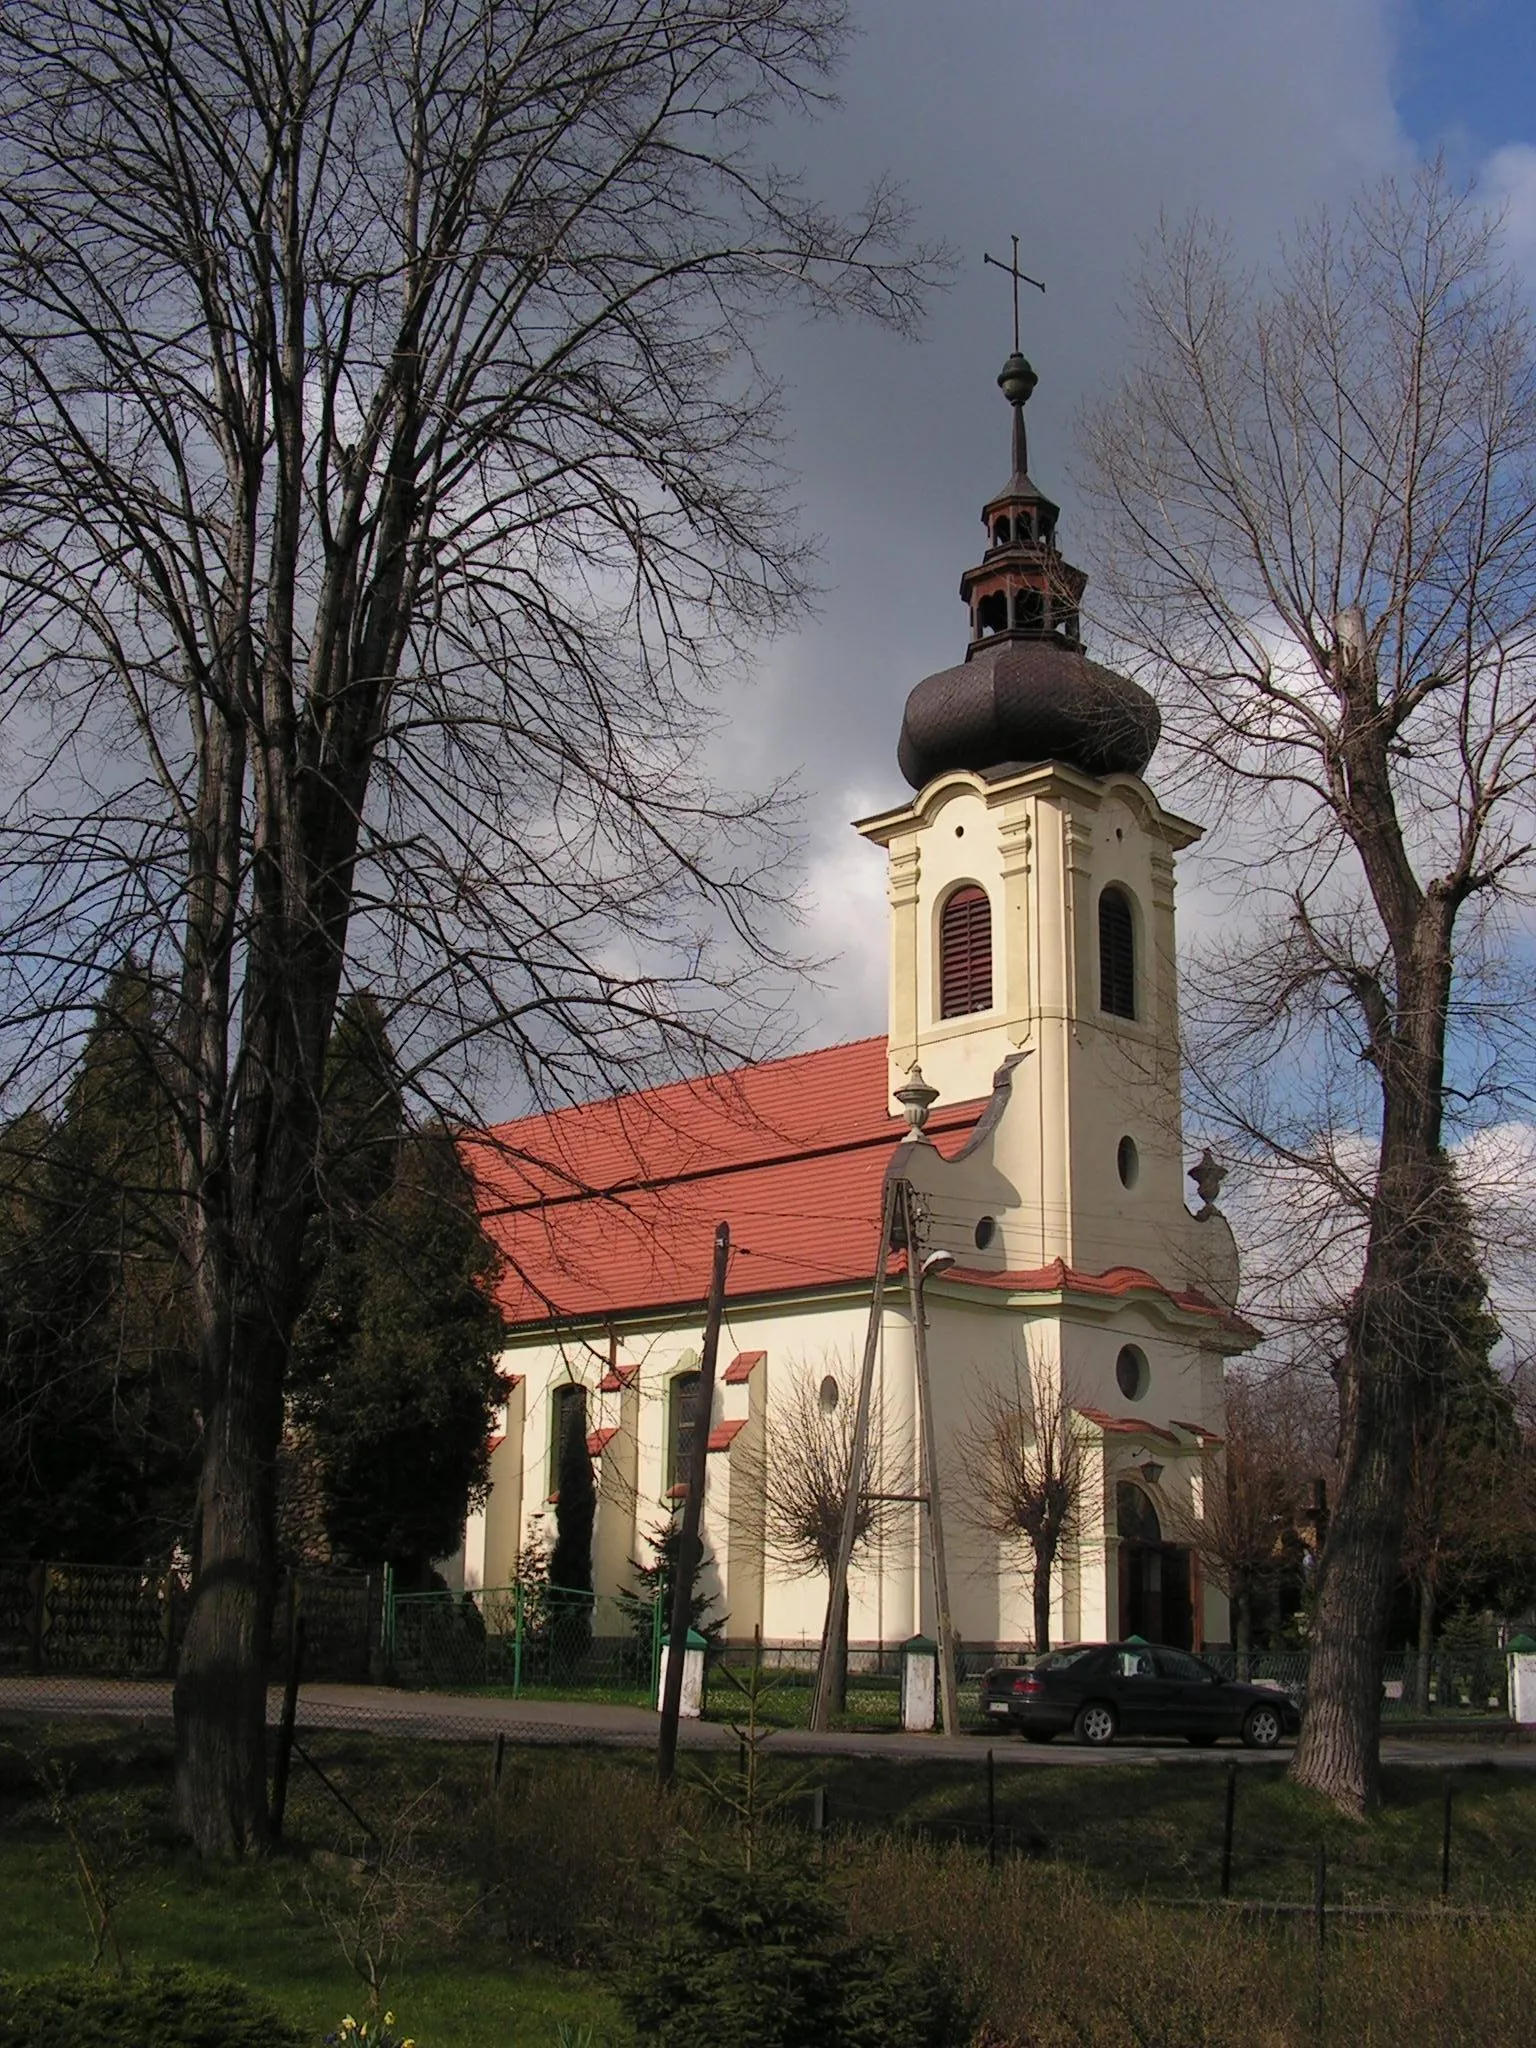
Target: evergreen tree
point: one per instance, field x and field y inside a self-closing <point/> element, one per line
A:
<point x="763" y="1953"/>
<point x="570" y="1561"/>
<point x="393" y="1381"/>
<point x="1466" y="1435"/>
<point x="652" y="1583"/>
<point x="98" y="1375"/>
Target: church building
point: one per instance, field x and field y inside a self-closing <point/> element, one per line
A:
<point x="1027" y="1089"/>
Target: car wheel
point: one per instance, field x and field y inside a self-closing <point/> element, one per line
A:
<point x="1039" y="1734"/>
<point x="1261" y="1730"/>
<point x="1095" y="1724"/>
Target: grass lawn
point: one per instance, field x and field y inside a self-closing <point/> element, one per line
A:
<point x="581" y="1841"/>
<point x="1157" y="1830"/>
<point x="874" y="1702"/>
<point x="599" y="1695"/>
<point x="255" y="1922"/>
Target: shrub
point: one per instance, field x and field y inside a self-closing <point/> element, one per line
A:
<point x="568" y="1840"/>
<point x="762" y="1958"/>
<point x="167" y="2008"/>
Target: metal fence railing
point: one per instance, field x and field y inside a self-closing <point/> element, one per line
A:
<point x="127" y="1621"/>
<point x="526" y="1640"/>
<point x="1472" y="1681"/>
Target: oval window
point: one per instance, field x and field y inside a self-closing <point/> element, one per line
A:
<point x="1131" y="1373"/>
<point x="1128" y="1162"/>
<point x="986" y="1230"/>
<point x="829" y="1393"/>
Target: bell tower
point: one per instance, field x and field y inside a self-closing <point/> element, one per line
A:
<point x="1031" y="900"/>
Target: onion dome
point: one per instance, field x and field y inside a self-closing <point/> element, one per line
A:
<point x="1026" y="692"/>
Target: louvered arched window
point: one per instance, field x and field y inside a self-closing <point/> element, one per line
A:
<point x="1117" y="954"/>
<point x="965" y="953"/>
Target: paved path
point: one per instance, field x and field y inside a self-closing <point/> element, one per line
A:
<point x="448" y="1716"/>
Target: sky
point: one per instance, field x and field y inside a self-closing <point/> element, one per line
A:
<point x="1073" y="125"/>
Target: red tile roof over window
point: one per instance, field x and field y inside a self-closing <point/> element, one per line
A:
<point x="611" y="1207"/>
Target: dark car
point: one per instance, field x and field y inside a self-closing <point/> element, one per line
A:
<point x="1101" y="1690"/>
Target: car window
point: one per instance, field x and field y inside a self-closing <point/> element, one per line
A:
<point x="1062" y="1660"/>
<point x="1175" y="1664"/>
<point x="1133" y="1664"/>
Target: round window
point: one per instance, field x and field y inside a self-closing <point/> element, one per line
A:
<point x="829" y="1393"/>
<point x="1128" y="1162"/>
<point x="1131" y="1373"/>
<point x="986" y="1230"/>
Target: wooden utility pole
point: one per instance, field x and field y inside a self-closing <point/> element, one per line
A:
<point x="949" y="1705"/>
<point x="689" y="1547"/>
<point x="821" y="1701"/>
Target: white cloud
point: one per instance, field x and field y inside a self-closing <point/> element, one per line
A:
<point x="1510" y="175"/>
<point x="846" y="925"/>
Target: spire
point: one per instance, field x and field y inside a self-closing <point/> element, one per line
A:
<point x="1021" y="587"/>
<point x="1025" y="691"/>
<point x="1016" y="380"/>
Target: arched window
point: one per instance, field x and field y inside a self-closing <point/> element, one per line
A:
<point x="568" y="1411"/>
<point x="965" y="953"/>
<point x="1135" y="1517"/>
<point x="1117" y="954"/>
<point x="682" y="1424"/>
<point x="992" y="613"/>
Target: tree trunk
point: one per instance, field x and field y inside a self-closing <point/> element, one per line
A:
<point x="1042" y="1601"/>
<point x="837" y="1652"/>
<point x="1390" y="1339"/>
<point x="1242" y="1629"/>
<point x="1426" y="1656"/>
<point x="247" y="1244"/>
<point x="220" y="1697"/>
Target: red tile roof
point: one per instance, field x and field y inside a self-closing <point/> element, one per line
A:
<point x="724" y="1434"/>
<point x="1125" y="1425"/>
<point x="598" y="1441"/>
<point x="1198" y="1429"/>
<point x="611" y="1207"/>
<point x="617" y="1378"/>
<point x="742" y="1366"/>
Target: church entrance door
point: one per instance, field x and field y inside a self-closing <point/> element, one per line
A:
<point x="1156" y="1595"/>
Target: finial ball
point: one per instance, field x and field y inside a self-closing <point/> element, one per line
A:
<point x="1016" y="380"/>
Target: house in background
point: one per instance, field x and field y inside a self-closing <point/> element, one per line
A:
<point x="1034" y="987"/>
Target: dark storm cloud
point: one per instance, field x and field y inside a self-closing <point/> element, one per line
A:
<point x="1072" y="125"/>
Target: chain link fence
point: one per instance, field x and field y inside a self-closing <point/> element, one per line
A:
<point x="529" y="1641"/>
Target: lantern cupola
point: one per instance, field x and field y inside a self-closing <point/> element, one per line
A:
<point x="1026" y="692"/>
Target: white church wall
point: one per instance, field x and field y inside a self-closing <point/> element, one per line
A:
<point x="976" y="1343"/>
<point x="500" y="1521"/>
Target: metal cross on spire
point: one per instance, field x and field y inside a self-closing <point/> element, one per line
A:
<point x="1019" y="277"/>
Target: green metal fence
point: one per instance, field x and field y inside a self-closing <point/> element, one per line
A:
<point x="525" y="1640"/>
<point x="1461" y="1680"/>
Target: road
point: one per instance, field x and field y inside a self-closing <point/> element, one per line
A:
<point x="436" y="1716"/>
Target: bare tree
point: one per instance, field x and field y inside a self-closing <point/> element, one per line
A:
<point x="1022" y="1449"/>
<point x="1256" y="1497"/>
<point x="387" y="480"/>
<point x="807" y="1457"/>
<point x="1321" y="494"/>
